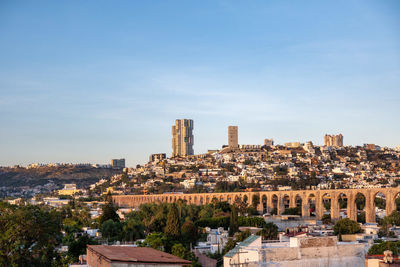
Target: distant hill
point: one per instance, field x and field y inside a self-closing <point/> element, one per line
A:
<point x="82" y="176"/>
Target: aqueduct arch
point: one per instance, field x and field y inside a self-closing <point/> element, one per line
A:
<point x="268" y="200"/>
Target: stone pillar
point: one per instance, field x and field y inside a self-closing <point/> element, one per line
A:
<point x="281" y="206"/>
<point x="305" y="209"/>
<point x="319" y="207"/>
<point x="335" y="209"/>
<point x="370" y="216"/>
<point x="390" y="202"/>
<point x="270" y="205"/>
<point x="260" y="206"/>
<point x="351" y="206"/>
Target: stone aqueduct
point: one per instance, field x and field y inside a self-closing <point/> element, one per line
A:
<point x="281" y="200"/>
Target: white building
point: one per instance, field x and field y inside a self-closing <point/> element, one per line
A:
<point x="246" y="253"/>
<point x="216" y="240"/>
<point x="189" y="183"/>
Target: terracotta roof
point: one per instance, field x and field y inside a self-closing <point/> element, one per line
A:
<point x="136" y="254"/>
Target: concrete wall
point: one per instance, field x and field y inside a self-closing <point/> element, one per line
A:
<point x="351" y="255"/>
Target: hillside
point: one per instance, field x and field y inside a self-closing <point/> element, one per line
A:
<point x="82" y="176"/>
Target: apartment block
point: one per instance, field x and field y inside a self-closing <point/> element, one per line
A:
<point x="118" y="163"/>
<point x="182" y="137"/>
<point x="157" y="157"/>
<point x="268" y="142"/>
<point x="233" y="137"/>
<point x="333" y="140"/>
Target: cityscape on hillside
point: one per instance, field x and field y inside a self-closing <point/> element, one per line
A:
<point x="199" y="133"/>
<point x="240" y="167"/>
<point x="296" y="190"/>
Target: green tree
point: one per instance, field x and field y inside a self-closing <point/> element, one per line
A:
<point x="242" y="235"/>
<point x="269" y="231"/>
<point x="111" y="230"/>
<point x="157" y="241"/>
<point x="206" y="212"/>
<point x="292" y="211"/>
<point x="78" y="247"/>
<point x="172" y="228"/>
<point x="28" y="235"/>
<point x="378" y="249"/>
<point x="360" y="201"/>
<point x="380" y="203"/>
<point x="234" y="221"/>
<point x="251" y="221"/>
<point x="223" y="205"/>
<point x="393" y="218"/>
<point x="229" y="246"/>
<point x="326" y="219"/>
<point x="214" y="222"/>
<point x="132" y="229"/>
<point x="240" y="206"/>
<point x="109" y="212"/>
<point x="179" y="250"/>
<point x="361" y="217"/>
<point x="346" y="226"/>
<point x="189" y="232"/>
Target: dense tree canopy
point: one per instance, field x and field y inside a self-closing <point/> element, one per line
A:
<point x="378" y="249"/>
<point x="269" y="231"/>
<point x="346" y="226"/>
<point x="28" y="235"/>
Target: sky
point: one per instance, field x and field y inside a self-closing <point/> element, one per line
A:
<point x="88" y="81"/>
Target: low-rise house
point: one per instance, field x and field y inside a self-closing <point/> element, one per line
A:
<point x="126" y="256"/>
<point x="216" y="241"/>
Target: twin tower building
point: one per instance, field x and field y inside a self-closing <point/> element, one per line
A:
<point x="182" y="137"/>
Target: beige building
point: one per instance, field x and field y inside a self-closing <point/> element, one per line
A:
<point x="333" y="140"/>
<point x="233" y="137"/>
<point x="68" y="190"/>
<point x="182" y="138"/>
<point x="268" y="142"/>
<point x="292" y="144"/>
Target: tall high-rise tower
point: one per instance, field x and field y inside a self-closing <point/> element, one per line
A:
<point x="333" y="140"/>
<point x="233" y="137"/>
<point x="182" y="138"/>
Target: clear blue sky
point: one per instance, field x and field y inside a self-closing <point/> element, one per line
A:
<point x="87" y="81"/>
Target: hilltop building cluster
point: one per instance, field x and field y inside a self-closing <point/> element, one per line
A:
<point x="270" y="166"/>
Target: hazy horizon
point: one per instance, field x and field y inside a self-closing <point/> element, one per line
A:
<point x="95" y="80"/>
